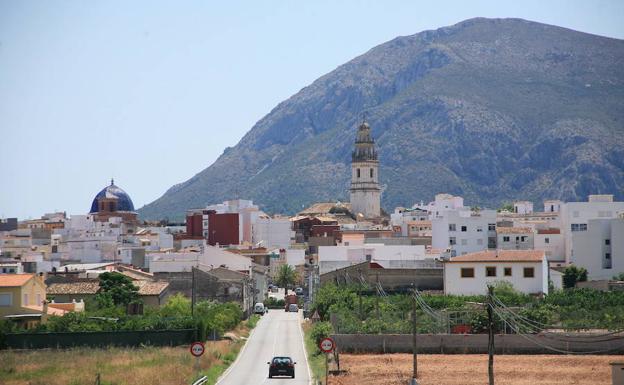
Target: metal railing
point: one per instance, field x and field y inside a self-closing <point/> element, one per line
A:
<point x="201" y="380"/>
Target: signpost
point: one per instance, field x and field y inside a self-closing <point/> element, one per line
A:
<point x="327" y="345"/>
<point x="197" y="349"/>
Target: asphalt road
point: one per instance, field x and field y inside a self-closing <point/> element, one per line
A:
<point x="277" y="334"/>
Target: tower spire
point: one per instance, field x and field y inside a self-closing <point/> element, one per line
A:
<point x="112" y="181"/>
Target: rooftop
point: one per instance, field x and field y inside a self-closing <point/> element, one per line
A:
<point x="501" y="256"/>
<point x="14" y="280"/>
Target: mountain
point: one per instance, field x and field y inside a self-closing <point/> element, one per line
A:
<point x="490" y="109"/>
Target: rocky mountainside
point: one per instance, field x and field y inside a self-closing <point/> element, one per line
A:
<point x="490" y="109"/>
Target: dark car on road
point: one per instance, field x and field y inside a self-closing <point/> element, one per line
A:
<point x="281" y="366"/>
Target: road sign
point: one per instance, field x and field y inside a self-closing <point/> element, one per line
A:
<point x="197" y="349"/>
<point x="327" y="345"/>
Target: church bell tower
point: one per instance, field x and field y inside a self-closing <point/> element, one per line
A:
<point x="365" y="190"/>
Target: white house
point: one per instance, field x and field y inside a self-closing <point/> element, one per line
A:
<point x="464" y="230"/>
<point x="575" y="217"/>
<point x="523" y="207"/>
<point x="211" y="257"/>
<point x="469" y="274"/>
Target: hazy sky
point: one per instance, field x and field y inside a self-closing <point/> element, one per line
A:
<point x="151" y="93"/>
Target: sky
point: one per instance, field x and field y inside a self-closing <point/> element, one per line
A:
<point x="150" y="93"/>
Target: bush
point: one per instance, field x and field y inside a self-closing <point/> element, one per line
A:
<point x="273" y="303"/>
<point x="319" y="331"/>
<point x="572" y="275"/>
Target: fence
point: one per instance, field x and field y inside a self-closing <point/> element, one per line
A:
<point x="99" y="339"/>
<point x="464" y="344"/>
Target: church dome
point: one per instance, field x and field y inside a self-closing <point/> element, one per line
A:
<point x="124" y="203"/>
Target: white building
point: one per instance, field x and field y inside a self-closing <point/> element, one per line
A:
<point x="575" y="217"/>
<point x="211" y="257"/>
<point x="335" y="257"/>
<point x="402" y="217"/>
<point x="464" y="231"/>
<point x="600" y="248"/>
<point x="515" y="238"/>
<point x="365" y="189"/>
<point x="272" y="232"/>
<point x="469" y="274"/>
<point x="523" y="207"/>
<point x="551" y="241"/>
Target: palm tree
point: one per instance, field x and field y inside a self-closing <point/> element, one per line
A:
<point x="286" y="276"/>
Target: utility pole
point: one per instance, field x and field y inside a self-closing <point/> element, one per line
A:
<point x="377" y="298"/>
<point x="414" y="343"/>
<point x="192" y="291"/>
<point x="490" y="335"/>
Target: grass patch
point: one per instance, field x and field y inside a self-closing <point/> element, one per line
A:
<point x="253" y="321"/>
<point x="316" y="359"/>
<point x="119" y="366"/>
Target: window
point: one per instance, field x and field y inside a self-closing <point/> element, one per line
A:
<point x="358" y="172"/>
<point x="490" y="271"/>
<point x="452" y="227"/>
<point x="607" y="242"/>
<point x="506" y="239"/>
<point x="467" y="272"/>
<point x="464" y="242"/>
<point x="39" y="303"/>
<point x="529" y="272"/>
<point x="607" y="255"/>
<point x="464" y="229"/>
<point x="371" y="172"/>
<point x="507" y="272"/>
<point x="25" y="300"/>
<point x="452" y="241"/>
<point x="6" y="299"/>
<point x="491" y="226"/>
<point x="546" y="240"/>
<point x="578" y="227"/>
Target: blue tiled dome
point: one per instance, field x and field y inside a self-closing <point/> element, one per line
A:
<point x="124" y="203"/>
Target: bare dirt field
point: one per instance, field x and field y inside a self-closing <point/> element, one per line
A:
<point x="396" y="369"/>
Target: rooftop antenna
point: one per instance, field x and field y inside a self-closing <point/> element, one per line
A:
<point x="112" y="181"/>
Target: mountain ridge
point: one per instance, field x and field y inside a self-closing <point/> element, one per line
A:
<point x="491" y="109"/>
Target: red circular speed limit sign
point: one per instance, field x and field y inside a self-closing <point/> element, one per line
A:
<point x="197" y="349"/>
<point x="327" y="345"/>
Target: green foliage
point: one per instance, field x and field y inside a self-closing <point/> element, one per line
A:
<point x="273" y="303"/>
<point x="571" y="308"/>
<point x="177" y="305"/>
<point x="286" y="276"/>
<point x="118" y="288"/>
<point x="253" y="321"/>
<point x="319" y="331"/>
<point x="507" y="206"/>
<point x="573" y="274"/>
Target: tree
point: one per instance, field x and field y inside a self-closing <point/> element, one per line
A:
<point x="572" y="275"/>
<point x="286" y="276"/>
<point x="506" y="207"/>
<point x="118" y="287"/>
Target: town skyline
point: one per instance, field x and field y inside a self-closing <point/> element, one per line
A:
<point x="142" y="143"/>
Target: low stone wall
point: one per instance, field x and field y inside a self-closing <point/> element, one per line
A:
<point x="469" y="344"/>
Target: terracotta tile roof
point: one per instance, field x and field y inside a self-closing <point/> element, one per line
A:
<point x="90" y="287"/>
<point x="514" y="230"/>
<point x="13" y="280"/>
<point x="151" y="288"/>
<point x="502" y="256"/>
<point x="549" y="231"/>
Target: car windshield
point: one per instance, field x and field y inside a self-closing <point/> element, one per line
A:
<point x="282" y="360"/>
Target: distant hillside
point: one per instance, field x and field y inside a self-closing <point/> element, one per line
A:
<point x="490" y="109"/>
